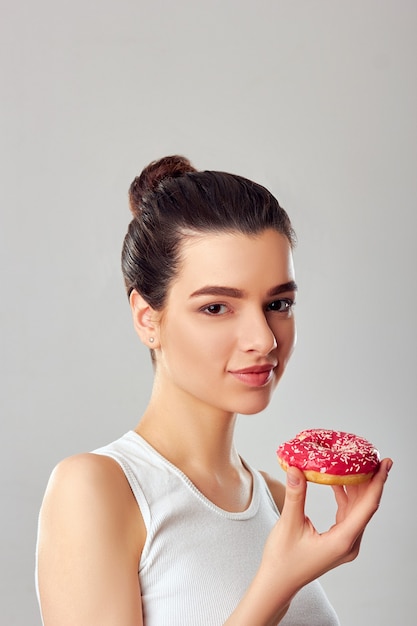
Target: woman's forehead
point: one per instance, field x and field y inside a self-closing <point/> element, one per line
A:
<point x="235" y="259"/>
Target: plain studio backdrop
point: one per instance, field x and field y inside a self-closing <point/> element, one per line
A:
<point x="317" y="101"/>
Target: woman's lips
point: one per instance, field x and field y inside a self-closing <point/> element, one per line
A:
<point x="256" y="376"/>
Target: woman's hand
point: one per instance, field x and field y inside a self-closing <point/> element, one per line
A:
<point x="296" y="553"/>
<point x="295" y="540"/>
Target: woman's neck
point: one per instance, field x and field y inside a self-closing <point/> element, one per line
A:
<point x="198" y="440"/>
<point x="184" y="432"/>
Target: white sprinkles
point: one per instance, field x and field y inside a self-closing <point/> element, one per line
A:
<point x="329" y="451"/>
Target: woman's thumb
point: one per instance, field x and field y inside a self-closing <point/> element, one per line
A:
<point x="294" y="478"/>
<point x="295" y="495"/>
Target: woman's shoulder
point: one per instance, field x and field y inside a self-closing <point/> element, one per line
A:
<point x="86" y="471"/>
<point x="89" y="485"/>
<point x="276" y="488"/>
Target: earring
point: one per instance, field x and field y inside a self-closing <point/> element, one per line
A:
<point x="151" y="339"/>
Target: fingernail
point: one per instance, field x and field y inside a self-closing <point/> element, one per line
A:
<point x="389" y="465"/>
<point x="292" y="480"/>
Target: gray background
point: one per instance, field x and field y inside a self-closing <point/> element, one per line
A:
<point x="316" y="100"/>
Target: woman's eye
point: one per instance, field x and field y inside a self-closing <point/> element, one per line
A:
<point x="284" y="304"/>
<point x="215" y="309"/>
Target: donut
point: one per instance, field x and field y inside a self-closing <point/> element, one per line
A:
<point x="330" y="457"/>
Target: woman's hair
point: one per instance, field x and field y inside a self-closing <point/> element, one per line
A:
<point x="172" y="201"/>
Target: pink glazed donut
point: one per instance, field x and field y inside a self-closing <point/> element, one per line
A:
<point x="330" y="457"/>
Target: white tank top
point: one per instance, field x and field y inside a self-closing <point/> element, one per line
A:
<point x="199" y="559"/>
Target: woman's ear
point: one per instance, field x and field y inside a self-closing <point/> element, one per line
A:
<point x="145" y="320"/>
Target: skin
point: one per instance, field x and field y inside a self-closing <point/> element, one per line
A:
<point x="229" y="309"/>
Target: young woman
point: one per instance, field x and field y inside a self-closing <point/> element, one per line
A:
<point x="169" y="525"/>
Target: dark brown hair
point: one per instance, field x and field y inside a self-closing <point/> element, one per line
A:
<point x="170" y="201"/>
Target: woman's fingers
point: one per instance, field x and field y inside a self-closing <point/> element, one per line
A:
<point x="356" y="506"/>
<point x="341" y="501"/>
<point x="364" y="499"/>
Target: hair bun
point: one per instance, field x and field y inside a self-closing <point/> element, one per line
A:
<point x="153" y="174"/>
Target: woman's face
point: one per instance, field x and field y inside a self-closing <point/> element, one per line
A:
<point x="228" y="327"/>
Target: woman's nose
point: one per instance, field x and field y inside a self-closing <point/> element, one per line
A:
<point x="256" y="335"/>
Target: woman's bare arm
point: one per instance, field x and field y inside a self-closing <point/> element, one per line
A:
<point x="90" y="539"/>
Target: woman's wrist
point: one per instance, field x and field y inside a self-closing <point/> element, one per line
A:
<point x="265" y="602"/>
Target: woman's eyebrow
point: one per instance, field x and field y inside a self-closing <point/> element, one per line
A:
<point x="219" y="290"/>
<point x="290" y="286"/>
<point x="232" y="292"/>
